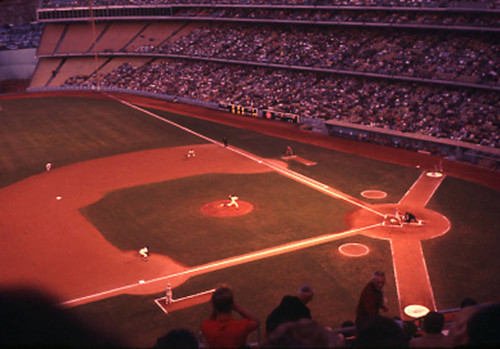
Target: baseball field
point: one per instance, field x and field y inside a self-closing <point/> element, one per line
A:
<point x="120" y="180"/>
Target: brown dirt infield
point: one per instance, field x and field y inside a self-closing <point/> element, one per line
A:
<point x="219" y="209"/>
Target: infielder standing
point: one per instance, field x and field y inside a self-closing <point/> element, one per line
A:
<point x="144" y="252"/>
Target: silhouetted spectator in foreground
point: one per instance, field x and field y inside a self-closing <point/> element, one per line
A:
<point x="483" y="327"/>
<point x="467" y="302"/>
<point x="304" y="333"/>
<point x="410" y="329"/>
<point x="291" y="308"/>
<point x="433" y="337"/>
<point x="178" y="338"/>
<point x="348" y="332"/>
<point x="221" y="330"/>
<point x="30" y="318"/>
<point x="380" y="332"/>
<point x="458" y="332"/>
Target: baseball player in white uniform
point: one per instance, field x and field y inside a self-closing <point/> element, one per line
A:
<point x="234" y="201"/>
<point x="190" y="154"/>
<point x="144" y="252"/>
<point x="168" y="294"/>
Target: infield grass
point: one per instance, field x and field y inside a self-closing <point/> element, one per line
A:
<point x="167" y="216"/>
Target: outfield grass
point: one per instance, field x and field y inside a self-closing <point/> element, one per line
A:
<point x="65" y="130"/>
<point x="347" y="172"/>
<point x="68" y="130"/>
<point x="464" y="262"/>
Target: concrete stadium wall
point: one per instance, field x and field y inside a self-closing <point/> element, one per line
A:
<point x="17" y="64"/>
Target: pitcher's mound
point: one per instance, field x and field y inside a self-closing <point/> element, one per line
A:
<point x="218" y="209"/>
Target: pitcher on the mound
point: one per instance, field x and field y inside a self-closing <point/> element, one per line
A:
<point x="233" y="202"/>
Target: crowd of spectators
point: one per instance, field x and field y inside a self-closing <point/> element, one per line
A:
<point x="469" y="57"/>
<point x="387" y="3"/>
<point x="462" y="19"/>
<point x="30" y="318"/>
<point x="14" y="37"/>
<point x="469" y="115"/>
<point x="291" y="325"/>
<point x="294" y="327"/>
<point x="464" y="114"/>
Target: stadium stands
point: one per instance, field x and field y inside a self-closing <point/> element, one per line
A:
<point x="388" y="3"/>
<point x="14" y="37"/>
<point x="407" y="74"/>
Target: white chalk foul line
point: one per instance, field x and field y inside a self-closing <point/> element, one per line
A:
<point x="266" y="253"/>
<point x="288" y="173"/>
<point x="309" y="182"/>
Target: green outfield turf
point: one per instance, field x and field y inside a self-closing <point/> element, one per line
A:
<point x="461" y="263"/>
<point x="68" y="130"/>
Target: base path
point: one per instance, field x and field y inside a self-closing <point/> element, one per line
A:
<point x="421" y="191"/>
<point x="412" y="277"/>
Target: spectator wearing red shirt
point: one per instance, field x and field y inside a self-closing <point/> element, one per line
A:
<point x="221" y="330"/>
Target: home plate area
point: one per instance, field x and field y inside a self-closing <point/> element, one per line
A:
<point x="184" y="302"/>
